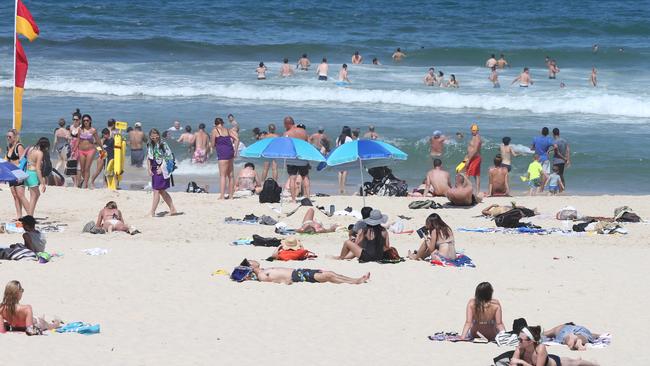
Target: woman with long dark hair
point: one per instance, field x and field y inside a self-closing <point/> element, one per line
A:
<point x="483" y="314"/>
<point x="438" y="240"/>
<point x="344" y="137"/>
<point x="158" y="155"/>
<point x="371" y="242"/>
<point x="88" y="142"/>
<point x="35" y="179"/>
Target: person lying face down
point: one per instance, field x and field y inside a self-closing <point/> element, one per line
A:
<point x="290" y="275"/>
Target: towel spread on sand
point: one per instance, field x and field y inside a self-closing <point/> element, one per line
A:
<point x="95" y="251"/>
<point x="461" y="261"/>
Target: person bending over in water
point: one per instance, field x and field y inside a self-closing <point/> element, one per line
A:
<point x="289" y="275"/>
<point x="531" y="351"/>
<point x="524" y="79"/>
<point x="574" y="336"/>
<point x="483" y="314"/>
<point x="312" y="226"/>
<point x="15" y="317"/>
<point x="462" y="194"/>
<point x="285" y="69"/>
<point x="438" y="241"/>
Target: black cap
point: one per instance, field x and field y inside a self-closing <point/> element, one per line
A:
<point x="28" y="219"/>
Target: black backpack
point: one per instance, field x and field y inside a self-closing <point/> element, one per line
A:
<point x="271" y="191"/>
<point x="510" y="219"/>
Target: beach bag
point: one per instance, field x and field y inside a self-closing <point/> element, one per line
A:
<point x="567" y="213"/>
<point x="293" y="255"/>
<point x="17" y="252"/>
<point x="271" y="191"/>
<point x="503" y="359"/>
<point x="625" y="214"/>
<point x="192" y="187"/>
<point x="240" y="273"/>
<point x="510" y="219"/>
<point x="265" y="242"/>
<point x="71" y="168"/>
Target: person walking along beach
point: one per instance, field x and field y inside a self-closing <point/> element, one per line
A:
<point x="15" y="151"/>
<point x="88" y="143"/>
<point x="158" y="154"/>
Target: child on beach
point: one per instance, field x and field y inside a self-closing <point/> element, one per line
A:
<point x="554" y="182"/>
<point x="534" y="175"/>
<point x="34" y="239"/>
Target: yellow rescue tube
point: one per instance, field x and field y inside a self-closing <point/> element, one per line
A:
<point x="461" y="166"/>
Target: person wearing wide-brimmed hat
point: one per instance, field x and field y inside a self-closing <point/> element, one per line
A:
<point x="371" y="242"/>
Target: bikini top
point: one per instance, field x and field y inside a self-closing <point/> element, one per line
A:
<point x="14" y="153"/>
<point x="74" y="131"/>
<point x="87" y="136"/>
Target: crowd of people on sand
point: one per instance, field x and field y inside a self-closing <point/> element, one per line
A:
<point x="431" y="77"/>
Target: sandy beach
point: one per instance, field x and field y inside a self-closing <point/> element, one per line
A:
<point x="157" y="303"/>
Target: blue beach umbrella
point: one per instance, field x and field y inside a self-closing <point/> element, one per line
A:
<point x="288" y="149"/>
<point x="9" y="173"/>
<point x="368" y="153"/>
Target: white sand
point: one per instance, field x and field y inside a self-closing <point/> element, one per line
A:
<point x="158" y="304"/>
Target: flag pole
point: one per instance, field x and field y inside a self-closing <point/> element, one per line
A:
<point x="13" y="97"/>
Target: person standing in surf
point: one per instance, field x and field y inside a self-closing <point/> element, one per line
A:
<point x="593" y="80"/>
<point x="343" y="74"/>
<point x="261" y="71"/>
<point x="398" y="55"/>
<point x="225" y="142"/>
<point x="357" y="58"/>
<point x="494" y="77"/>
<point x="303" y="63"/>
<point x="322" y="70"/>
<point x="201" y="142"/>
<point x="285" y="69"/>
<point x="524" y="79"/>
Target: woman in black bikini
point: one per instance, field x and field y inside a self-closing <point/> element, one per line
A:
<point x="15" y="151"/>
<point x="483" y="314"/>
<point x="531" y="352"/>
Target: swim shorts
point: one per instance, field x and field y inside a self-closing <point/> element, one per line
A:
<point x="474" y="166"/>
<point x="304" y="275"/>
<point x="303" y="170"/>
<point x="546" y="167"/>
<point x="322" y="77"/>
<point x="32" y="179"/>
<point x="507" y="166"/>
<point x="553" y="189"/>
<point x="533" y="183"/>
<point x="137" y="157"/>
<point x="200" y="156"/>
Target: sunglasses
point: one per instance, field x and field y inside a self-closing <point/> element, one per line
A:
<point x="75" y="119"/>
<point x="522" y="340"/>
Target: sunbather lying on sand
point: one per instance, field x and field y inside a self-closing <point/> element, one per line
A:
<point x="574" y="336"/>
<point x="531" y="351"/>
<point x="290" y="275"/>
<point x="311" y="226"/>
<point x="109" y="219"/>
<point x="15" y="317"/>
<point x="462" y="193"/>
<point x="495" y="210"/>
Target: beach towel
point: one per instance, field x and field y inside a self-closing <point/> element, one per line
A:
<point x="79" y="327"/>
<point x="446" y="337"/>
<point x="295" y="255"/>
<point x="243" y="242"/>
<point x="17" y="252"/>
<point x="461" y="261"/>
<point x="424" y="204"/>
<point x="95" y="251"/>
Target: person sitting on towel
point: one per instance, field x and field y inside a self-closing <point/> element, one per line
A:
<point x="34" y="240"/>
<point x="290" y="275"/>
<point x="438" y="241"/>
<point x="312" y="226"/>
<point x="462" y="194"/>
<point x="371" y="242"/>
<point x="483" y="314"/>
<point x="15" y="317"/>
<point x="247" y="180"/>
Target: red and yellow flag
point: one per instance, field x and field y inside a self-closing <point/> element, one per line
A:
<point x="20" y="73"/>
<point x="26" y="26"/>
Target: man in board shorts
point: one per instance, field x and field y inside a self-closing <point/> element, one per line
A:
<point x="473" y="157"/>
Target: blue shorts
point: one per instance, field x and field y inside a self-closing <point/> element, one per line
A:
<point x="304" y="275"/>
<point x="575" y="329"/>
<point x="553" y="189"/>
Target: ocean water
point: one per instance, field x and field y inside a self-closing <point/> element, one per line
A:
<point x="160" y="61"/>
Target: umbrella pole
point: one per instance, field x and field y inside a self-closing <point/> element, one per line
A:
<point x="363" y="193"/>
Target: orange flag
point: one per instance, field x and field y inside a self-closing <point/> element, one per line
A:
<point x="26" y="26"/>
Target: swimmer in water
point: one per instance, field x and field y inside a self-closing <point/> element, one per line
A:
<point x="430" y="77"/>
<point x="322" y="70"/>
<point x="285" y="69"/>
<point x="501" y="62"/>
<point x="524" y="79"/>
<point x="453" y="83"/>
<point x="356" y="58"/>
<point x="343" y="74"/>
<point x="303" y="63"/>
<point x="593" y="79"/>
<point x="261" y="71"/>
<point x="553" y="70"/>
<point x="492" y="61"/>
<point x="494" y="77"/>
<point x="375" y="61"/>
<point x="594" y="48"/>
<point x="398" y="55"/>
